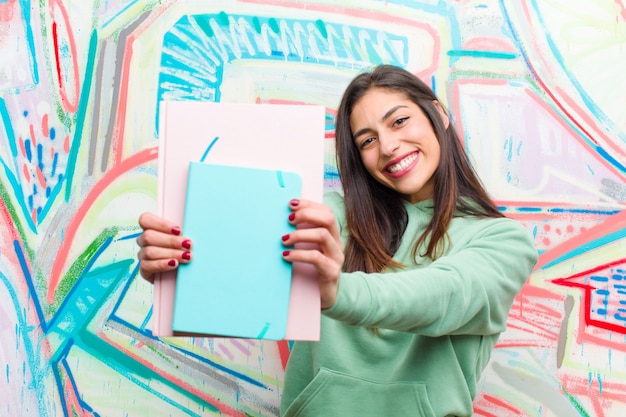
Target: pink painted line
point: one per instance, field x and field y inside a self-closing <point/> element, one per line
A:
<point x="26" y="172"/>
<point x="22" y="149"/>
<point x="70" y="232"/>
<point x="501" y="403"/>
<point x="45" y="130"/>
<point x="225" y="351"/>
<point x="33" y="138"/>
<point x="240" y="347"/>
<point x="613" y="224"/>
<point x="120" y="124"/>
<point x="40" y="177"/>
<point x="621" y="6"/>
<point x="582" y="114"/>
<point x="70" y="397"/>
<point x="489" y="44"/>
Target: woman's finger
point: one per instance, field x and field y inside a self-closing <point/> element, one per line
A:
<point x="155" y="253"/>
<point x="328" y="245"/>
<point x="150" y="221"/>
<point x="311" y="214"/>
<point x="148" y="269"/>
<point x="151" y="237"/>
<point x="328" y="269"/>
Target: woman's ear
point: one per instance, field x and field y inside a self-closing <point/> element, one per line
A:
<point x="444" y="116"/>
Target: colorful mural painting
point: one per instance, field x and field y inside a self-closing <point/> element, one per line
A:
<point x="535" y="85"/>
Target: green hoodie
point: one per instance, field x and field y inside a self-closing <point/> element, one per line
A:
<point x="435" y="324"/>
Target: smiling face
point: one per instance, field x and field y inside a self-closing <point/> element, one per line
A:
<point x="397" y="143"/>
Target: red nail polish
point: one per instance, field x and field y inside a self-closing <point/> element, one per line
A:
<point x="285" y="237"/>
<point x="186" y="256"/>
<point x="294" y="202"/>
<point x="172" y="262"/>
<point x="286" y="253"/>
<point x="176" y="230"/>
<point x="292" y="217"/>
<point x="186" y="244"/>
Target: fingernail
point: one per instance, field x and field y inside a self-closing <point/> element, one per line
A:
<point x="172" y="262"/>
<point x="186" y="256"/>
<point x="292" y="217"/>
<point x="294" y="202"/>
<point x="186" y="244"/>
<point x="285" y="237"/>
<point x="176" y="230"/>
<point x="286" y="253"/>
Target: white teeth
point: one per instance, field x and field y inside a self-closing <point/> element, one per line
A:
<point x="403" y="164"/>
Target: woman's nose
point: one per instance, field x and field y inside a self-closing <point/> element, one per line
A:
<point x="389" y="144"/>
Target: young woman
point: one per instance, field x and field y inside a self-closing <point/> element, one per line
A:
<point x="417" y="268"/>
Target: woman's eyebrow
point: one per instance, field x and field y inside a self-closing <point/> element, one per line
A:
<point x="385" y="117"/>
<point x="392" y="110"/>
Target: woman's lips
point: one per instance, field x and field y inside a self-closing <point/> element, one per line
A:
<point x="400" y="167"/>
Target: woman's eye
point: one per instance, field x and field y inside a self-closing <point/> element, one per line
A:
<point x="400" y="121"/>
<point x="366" y="142"/>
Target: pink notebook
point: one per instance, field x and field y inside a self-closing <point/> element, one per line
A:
<point x="266" y="136"/>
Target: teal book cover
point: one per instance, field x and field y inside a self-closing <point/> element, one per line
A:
<point x="237" y="284"/>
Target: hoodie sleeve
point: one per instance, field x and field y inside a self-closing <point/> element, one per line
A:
<point x="468" y="291"/>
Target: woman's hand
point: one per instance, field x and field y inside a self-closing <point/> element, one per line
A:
<point x="327" y="256"/>
<point x="161" y="246"/>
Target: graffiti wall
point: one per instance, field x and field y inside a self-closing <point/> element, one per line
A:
<point x="536" y="86"/>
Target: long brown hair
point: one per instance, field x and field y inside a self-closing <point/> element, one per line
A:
<point x="375" y="214"/>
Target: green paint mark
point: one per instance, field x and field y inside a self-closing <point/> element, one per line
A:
<point x="163" y="356"/>
<point x="6" y="198"/>
<point x="222" y="19"/>
<point x="264" y="330"/>
<point x="78" y="268"/>
<point x="256" y="24"/>
<point x="321" y="26"/>
<point x="204" y="24"/>
<point x="576" y="404"/>
<point x="482" y="54"/>
<point x="273" y="24"/>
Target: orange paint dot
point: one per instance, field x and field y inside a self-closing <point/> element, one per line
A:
<point x="22" y="148"/>
<point x="32" y="135"/>
<point x="26" y="173"/>
<point x="41" y="178"/>
<point x="546" y="227"/>
<point x="44" y="125"/>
